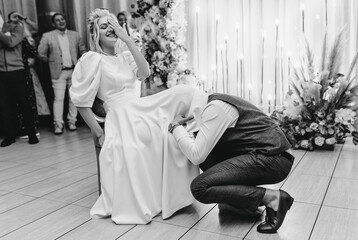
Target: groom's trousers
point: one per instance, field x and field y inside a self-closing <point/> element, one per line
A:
<point x="234" y="181"/>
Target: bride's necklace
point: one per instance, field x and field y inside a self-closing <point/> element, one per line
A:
<point x="109" y="54"/>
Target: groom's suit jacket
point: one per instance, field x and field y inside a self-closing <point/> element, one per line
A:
<point x="49" y="50"/>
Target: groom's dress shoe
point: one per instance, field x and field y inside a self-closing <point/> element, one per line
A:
<point x="274" y="219"/>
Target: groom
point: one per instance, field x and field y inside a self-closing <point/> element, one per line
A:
<point x="238" y="147"/>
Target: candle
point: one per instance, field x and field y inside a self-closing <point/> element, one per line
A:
<point x="262" y="68"/>
<point x="289" y="71"/>
<point x="282" y="82"/>
<point x="303" y="17"/>
<point x="242" y="75"/>
<point x="269" y="102"/>
<point x="205" y="84"/>
<point x="276" y="62"/>
<point x="227" y="64"/>
<point x="216" y="52"/>
<point x="326" y="15"/>
<point x="237" y="57"/>
<point x="197" y="35"/>
<point x="213" y="69"/>
<point x="222" y="68"/>
<point x="237" y="74"/>
<point x="249" y="87"/>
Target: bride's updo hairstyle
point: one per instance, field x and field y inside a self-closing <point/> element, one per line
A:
<point x="93" y="27"/>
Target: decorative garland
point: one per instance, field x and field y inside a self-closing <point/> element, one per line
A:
<point x="163" y="27"/>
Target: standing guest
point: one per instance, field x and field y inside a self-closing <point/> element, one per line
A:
<point x="61" y="48"/>
<point x="29" y="52"/>
<point x="13" y="90"/>
<point x="125" y="21"/>
<point x="238" y="147"/>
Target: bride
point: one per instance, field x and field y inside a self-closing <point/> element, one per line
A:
<point x="143" y="172"/>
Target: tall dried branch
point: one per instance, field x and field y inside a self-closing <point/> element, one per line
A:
<point x="352" y="66"/>
<point x="324" y="50"/>
<point x="310" y="60"/>
<point x="335" y="56"/>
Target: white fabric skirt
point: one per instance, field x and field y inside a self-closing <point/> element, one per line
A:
<point x="143" y="171"/>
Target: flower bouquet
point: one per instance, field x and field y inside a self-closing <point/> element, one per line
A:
<point x="163" y="34"/>
<point x="322" y="104"/>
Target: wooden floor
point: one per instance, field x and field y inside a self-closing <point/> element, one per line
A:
<point x="47" y="190"/>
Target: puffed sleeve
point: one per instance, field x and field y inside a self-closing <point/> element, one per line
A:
<point x="86" y="79"/>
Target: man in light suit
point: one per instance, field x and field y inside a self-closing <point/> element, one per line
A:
<point x="61" y="48"/>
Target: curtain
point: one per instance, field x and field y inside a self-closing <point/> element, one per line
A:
<point x="26" y="7"/>
<point x="245" y="47"/>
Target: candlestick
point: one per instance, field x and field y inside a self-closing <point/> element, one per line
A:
<point x="282" y="80"/>
<point x="249" y="87"/>
<point x="276" y="77"/>
<point x="303" y="17"/>
<point x="227" y="64"/>
<point x="242" y="75"/>
<point x="289" y="71"/>
<point x="269" y="102"/>
<point x="197" y="35"/>
<point x="237" y="57"/>
<point x="326" y="14"/>
<point x="222" y="67"/>
<point x="262" y="68"/>
<point x="237" y="74"/>
<point x="213" y="69"/>
<point x="216" y="52"/>
<point x="205" y="85"/>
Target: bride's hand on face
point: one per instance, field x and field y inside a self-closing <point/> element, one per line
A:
<point x="118" y="30"/>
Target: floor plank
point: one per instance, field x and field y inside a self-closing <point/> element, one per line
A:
<point x="52" y="184"/>
<point x="225" y="224"/>
<point x="53" y="225"/>
<point x="12" y="200"/>
<point x="188" y="216"/>
<point x="155" y="231"/>
<point x="201" y="235"/>
<point x="342" y="193"/>
<point x="306" y="188"/>
<point x="26" y="214"/>
<point x="336" y="223"/>
<point x="74" y="192"/>
<point x="99" y="229"/>
<point x="319" y="162"/>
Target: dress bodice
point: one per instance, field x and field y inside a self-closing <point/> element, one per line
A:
<point x="106" y="77"/>
<point x="117" y="77"/>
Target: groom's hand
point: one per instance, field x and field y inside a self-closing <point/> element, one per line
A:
<point x="182" y="120"/>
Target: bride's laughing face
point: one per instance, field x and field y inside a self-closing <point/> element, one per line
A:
<point x="107" y="37"/>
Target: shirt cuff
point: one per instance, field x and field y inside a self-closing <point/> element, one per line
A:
<point x="179" y="132"/>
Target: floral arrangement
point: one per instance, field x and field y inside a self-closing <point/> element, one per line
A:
<point x="322" y="104"/>
<point x="163" y="29"/>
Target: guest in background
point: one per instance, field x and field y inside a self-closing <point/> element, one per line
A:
<point x="61" y="48"/>
<point x="13" y="89"/>
<point x="125" y="21"/>
<point x="35" y="94"/>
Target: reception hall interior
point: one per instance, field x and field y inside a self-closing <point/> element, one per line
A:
<point x="296" y="61"/>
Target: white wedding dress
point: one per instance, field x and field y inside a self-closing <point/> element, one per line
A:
<point x="143" y="171"/>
